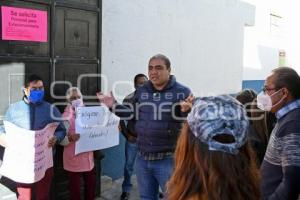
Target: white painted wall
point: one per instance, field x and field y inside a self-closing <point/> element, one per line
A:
<point x="202" y="38"/>
<point x="261" y="46"/>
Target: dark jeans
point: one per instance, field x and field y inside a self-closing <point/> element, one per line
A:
<point x="130" y="156"/>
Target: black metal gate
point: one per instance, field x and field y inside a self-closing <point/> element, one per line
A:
<point x="72" y="52"/>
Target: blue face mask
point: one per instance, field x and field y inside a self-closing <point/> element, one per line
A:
<point x="36" y="96"/>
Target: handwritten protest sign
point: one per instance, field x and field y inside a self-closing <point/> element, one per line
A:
<point x="98" y="128"/>
<point x="27" y="155"/>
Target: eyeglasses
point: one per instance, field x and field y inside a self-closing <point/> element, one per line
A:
<point x="265" y="89"/>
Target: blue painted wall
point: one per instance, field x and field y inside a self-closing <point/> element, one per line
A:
<point x="114" y="160"/>
<point x="253" y="84"/>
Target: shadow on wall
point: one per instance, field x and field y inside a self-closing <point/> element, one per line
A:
<point x="259" y="65"/>
<point x="269" y="58"/>
<point x="114" y="160"/>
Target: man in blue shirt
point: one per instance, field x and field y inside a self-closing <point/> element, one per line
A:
<point x="280" y="170"/>
<point x="33" y="113"/>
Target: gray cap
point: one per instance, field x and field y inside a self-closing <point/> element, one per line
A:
<point x="215" y="115"/>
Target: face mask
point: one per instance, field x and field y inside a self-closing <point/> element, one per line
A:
<point x="264" y="101"/>
<point x="77" y="103"/>
<point x="36" y="96"/>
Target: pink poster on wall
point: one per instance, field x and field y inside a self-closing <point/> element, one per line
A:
<point x="24" y="24"/>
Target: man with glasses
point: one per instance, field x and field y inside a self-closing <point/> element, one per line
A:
<point x="33" y="113"/>
<point x="280" y="170"/>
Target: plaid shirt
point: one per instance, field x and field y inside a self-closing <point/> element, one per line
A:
<point x="156" y="156"/>
<point x="287" y="108"/>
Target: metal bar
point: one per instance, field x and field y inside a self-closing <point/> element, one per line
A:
<point x="76" y="60"/>
<point x="39" y="2"/>
<point x="24" y="59"/>
<point x="99" y="67"/>
<point x="77" y="6"/>
<point x="52" y="41"/>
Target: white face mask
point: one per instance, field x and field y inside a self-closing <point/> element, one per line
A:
<point x="77" y="103"/>
<point x="264" y="101"/>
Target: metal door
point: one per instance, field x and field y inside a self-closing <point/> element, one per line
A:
<point x="72" y="51"/>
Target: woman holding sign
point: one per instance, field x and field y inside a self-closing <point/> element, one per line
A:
<point x="81" y="164"/>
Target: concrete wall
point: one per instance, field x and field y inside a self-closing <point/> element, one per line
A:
<point x="203" y="39"/>
<point x="262" y="42"/>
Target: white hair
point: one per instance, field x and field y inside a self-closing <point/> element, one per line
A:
<point x="71" y="91"/>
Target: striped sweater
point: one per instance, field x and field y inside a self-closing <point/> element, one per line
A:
<point x="280" y="170"/>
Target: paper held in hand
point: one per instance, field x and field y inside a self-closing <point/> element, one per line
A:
<point x="27" y="155"/>
<point x="98" y="128"/>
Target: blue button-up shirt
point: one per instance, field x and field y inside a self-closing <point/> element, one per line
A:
<point x="34" y="117"/>
<point x="287" y="108"/>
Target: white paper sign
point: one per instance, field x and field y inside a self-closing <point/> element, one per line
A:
<point x="98" y="128"/>
<point x="27" y="155"/>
